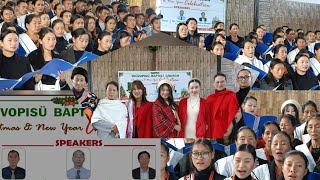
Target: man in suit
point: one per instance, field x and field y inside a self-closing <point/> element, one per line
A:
<point x="13" y="171"/>
<point x="78" y="171"/>
<point x="203" y="18"/>
<point x="181" y="17"/>
<point x="144" y="171"/>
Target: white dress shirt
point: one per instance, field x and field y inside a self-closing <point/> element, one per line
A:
<point x="84" y="173"/>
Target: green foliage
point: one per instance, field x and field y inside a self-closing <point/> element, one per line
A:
<point x="154" y="48"/>
<point x="122" y="92"/>
<point x="66" y="101"/>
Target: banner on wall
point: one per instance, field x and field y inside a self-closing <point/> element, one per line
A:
<point x="150" y="79"/>
<point x="50" y="135"/>
<point x="206" y="12"/>
<point x="307" y="1"/>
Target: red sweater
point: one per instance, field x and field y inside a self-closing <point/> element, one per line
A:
<point x="143" y="120"/>
<point x="222" y="106"/>
<point x="201" y="121"/>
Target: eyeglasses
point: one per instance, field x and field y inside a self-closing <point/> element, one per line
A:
<point x="200" y="154"/>
<point x="243" y="77"/>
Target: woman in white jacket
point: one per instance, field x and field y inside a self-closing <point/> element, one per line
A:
<point x="244" y="162"/>
<point x="248" y="57"/>
<point x="309" y="109"/>
<point x="315" y="61"/>
<point x="295" y="165"/>
<point x="311" y="148"/>
<point x="110" y="116"/>
<point x="300" y="44"/>
<point x="281" y="144"/>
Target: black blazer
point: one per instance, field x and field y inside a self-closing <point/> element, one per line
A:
<point x="136" y="173"/>
<point x="287" y="44"/>
<point x="203" y="19"/>
<point x="51" y="14"/>
<point x="98" y="28"/>
<point x="61" y="45"/>
<point x="68" y="55"/>
<point x="19" y="173"/>
<point x="269" y="83"/>
<point x="304" y="82"/>
<point x="14" y="68"/>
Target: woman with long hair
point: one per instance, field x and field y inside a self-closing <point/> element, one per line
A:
<point x="80" y="39"/>
<point x="104" y="43"/>
<point x="58" y="30"/>
<point x="192" y="26"/>
<point x="182" y="31"/>
<point x="192" y="112"/>
<point x="202" y="157"/>
<point x="293" y="108"/>
<point x="166" y="121"/>
<point x="76" y="22"/>
<point x="122" y="39"/>
<point x="280" y="145"/>
<point x="139" y="123"/>
<point x="110" y="24"/>
<point x="197" y="40"/>
<point x="12" y="65"/>
<point x="43" y="55"/>
<point x="90" y="26"/>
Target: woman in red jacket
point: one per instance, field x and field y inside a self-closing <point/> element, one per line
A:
<point x="222" y="106"/>
<point x="140" y="112"/>
<point x="192" y="112"/>
<point x="166" y="123"/>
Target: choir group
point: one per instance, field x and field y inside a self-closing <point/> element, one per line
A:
<point x="34" y="32"/>
<point x="288" y="59"/>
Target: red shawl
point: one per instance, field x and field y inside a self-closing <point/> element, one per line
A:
<point x="222" y="106"/>
<point x="163" y="121"/>
<point x="201" y="119"/>
<point x="143" y="120"/>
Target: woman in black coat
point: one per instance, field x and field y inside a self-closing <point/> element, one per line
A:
<point x="302" y="79"/>
<point x="13" y="66"/>
<point x="275" y="79"/>
<point x="43" y="55"/>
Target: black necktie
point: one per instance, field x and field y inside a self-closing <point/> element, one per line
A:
<point x="78" y="174"/>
